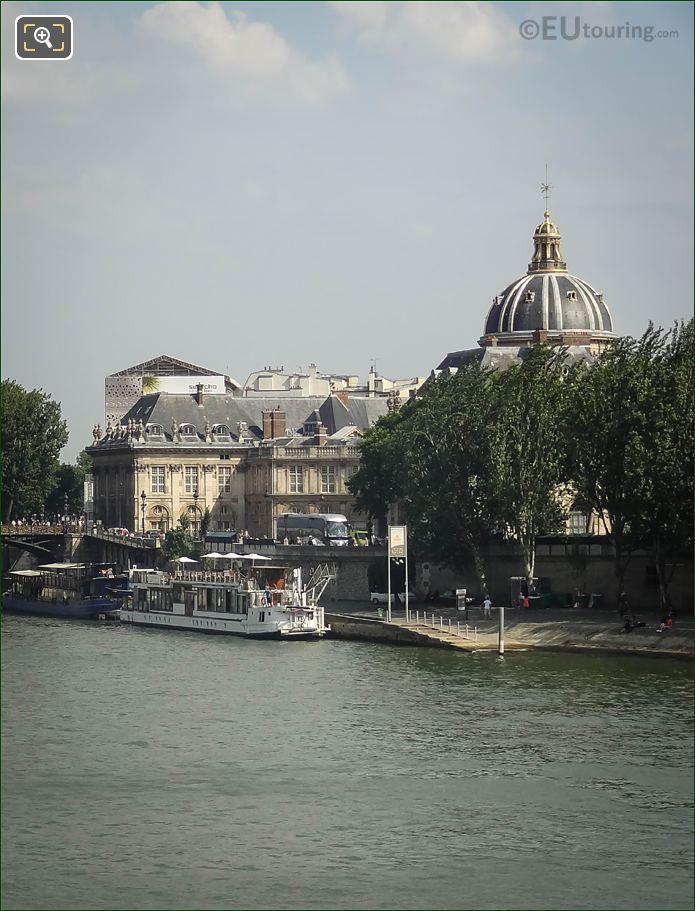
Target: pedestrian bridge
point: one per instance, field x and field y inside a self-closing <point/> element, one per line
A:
<point x="72" y="542"/>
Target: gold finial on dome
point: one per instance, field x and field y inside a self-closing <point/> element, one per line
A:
<point x="547" y="256"/>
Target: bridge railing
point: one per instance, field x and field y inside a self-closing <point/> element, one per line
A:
<point x="39" y="528"/>
<point x="98" y="531"/>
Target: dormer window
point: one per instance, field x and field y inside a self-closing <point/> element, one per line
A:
<point x="530" y="297"/>
<point x="154" y="430"/>
<point x="221" y="430"/>
<point x="572" y="297"/>
<point x="188" y="430"/>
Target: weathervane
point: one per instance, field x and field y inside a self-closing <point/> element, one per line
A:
<point x="546" y="188"/>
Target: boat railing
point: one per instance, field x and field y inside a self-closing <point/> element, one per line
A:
<point x="184" y="575"/>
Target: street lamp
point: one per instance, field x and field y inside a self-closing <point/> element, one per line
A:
<point x="143" y="500"/>
<point x="195" y="511"/>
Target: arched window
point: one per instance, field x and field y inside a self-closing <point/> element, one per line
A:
<point x="221" y="430"/>
<point x="188" y="430"/>
<point x="154" y="430"/>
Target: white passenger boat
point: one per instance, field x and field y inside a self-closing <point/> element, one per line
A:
<point x="268" y="602"/>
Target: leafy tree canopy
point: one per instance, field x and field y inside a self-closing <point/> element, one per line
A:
<point x="178" y="542"/>
<point x="33" y="435"/>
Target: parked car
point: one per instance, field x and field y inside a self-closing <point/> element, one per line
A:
<point x="382" y="597"/>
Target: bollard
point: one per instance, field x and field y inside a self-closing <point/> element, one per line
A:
<point x="466" y="631"/>
<point x="441" y="623"/>
<point x="475" y="633"/>
<point x="417" y="617"/>
<point x="449" y="625"/>
<point x="500" y="645"/>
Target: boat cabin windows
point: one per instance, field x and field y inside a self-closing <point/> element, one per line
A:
<point x="219" y="600"/>
<point x="154" y="599"/>
<point x="261" y="617"/>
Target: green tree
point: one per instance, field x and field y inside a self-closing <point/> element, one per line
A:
<point x="69" y="482"/>
<point x="667" y="500"/>
<point x="433" y="458"/>
<point x="178" y="542"/>
<point x="70" y="485"/>
<point x="205" y="523"/>
<point x="33" y="435"/>
<point x="529" y="446"/>
<point x="632" y="458"/>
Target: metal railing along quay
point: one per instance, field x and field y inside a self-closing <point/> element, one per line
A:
<point x="442" y="625"/>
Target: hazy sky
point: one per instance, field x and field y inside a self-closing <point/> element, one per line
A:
<point x="242" y="184"/>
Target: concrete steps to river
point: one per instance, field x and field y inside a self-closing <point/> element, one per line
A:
<point x="578" y="633"/>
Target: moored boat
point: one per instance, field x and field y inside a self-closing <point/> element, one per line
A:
<point x="268" y="602"/>
<point x="67" y="590"/>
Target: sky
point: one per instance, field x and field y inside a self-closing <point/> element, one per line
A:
<point x="250" y="184"/>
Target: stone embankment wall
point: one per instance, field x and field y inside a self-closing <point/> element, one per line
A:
<point x="552" y="563"/>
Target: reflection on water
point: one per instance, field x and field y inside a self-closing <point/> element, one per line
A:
<point x="147" y="769"/>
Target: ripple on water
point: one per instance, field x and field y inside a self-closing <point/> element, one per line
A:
<point x="181" y="772"/>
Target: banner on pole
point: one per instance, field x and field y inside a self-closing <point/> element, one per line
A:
<point x="397" y="540"/>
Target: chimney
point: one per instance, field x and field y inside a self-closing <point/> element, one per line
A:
<point x="321" y="435"/>
<point x="343" y="396"/>
<point x="199" y="393"/>
<point x="267" y="425"/>
<point x="278" y="422"/>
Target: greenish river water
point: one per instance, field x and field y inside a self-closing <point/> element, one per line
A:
<point x="150" y="769"/>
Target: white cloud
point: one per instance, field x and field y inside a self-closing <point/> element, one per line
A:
<point x="453" y="33"/>
<point x="253" y="58"/>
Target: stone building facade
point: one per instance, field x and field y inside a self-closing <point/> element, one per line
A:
<point x="245" y="460"/>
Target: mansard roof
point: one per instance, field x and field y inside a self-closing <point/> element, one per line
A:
<point x="166" y="409"/>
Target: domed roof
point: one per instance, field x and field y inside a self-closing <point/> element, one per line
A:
<point x="548" y="299"/>
<point x="553" y="301"/>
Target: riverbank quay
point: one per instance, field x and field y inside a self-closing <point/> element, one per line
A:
<point x="574" y="630"/>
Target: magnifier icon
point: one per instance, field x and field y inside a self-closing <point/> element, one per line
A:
<point x="43" y="36"/>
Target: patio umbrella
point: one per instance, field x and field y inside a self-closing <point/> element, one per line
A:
<point x="213" y="556"/>
<point x="255" y="557"/>
<point x="184" y="560"/>
<point x="232" y="556"/>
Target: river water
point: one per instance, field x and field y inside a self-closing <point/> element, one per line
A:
<point x="152" y="769"/>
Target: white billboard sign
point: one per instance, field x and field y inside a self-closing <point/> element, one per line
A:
<point x="186" y="385"/>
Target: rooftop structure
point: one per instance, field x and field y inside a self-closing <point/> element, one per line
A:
<point x="163" y="373"/>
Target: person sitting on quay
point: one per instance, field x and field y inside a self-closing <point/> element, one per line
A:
<point x="487" y="607"/>
<point x="666" y="622"/>
<point x="632" y="623"/>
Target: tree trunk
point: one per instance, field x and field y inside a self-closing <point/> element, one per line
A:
<point x="661" y="574"/>
<point x="528" y="543"/>
<point x="620" y="563"/>
<point x="480" y="570"/>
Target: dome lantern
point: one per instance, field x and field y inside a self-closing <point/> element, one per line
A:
<point x="547" y="256"/>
